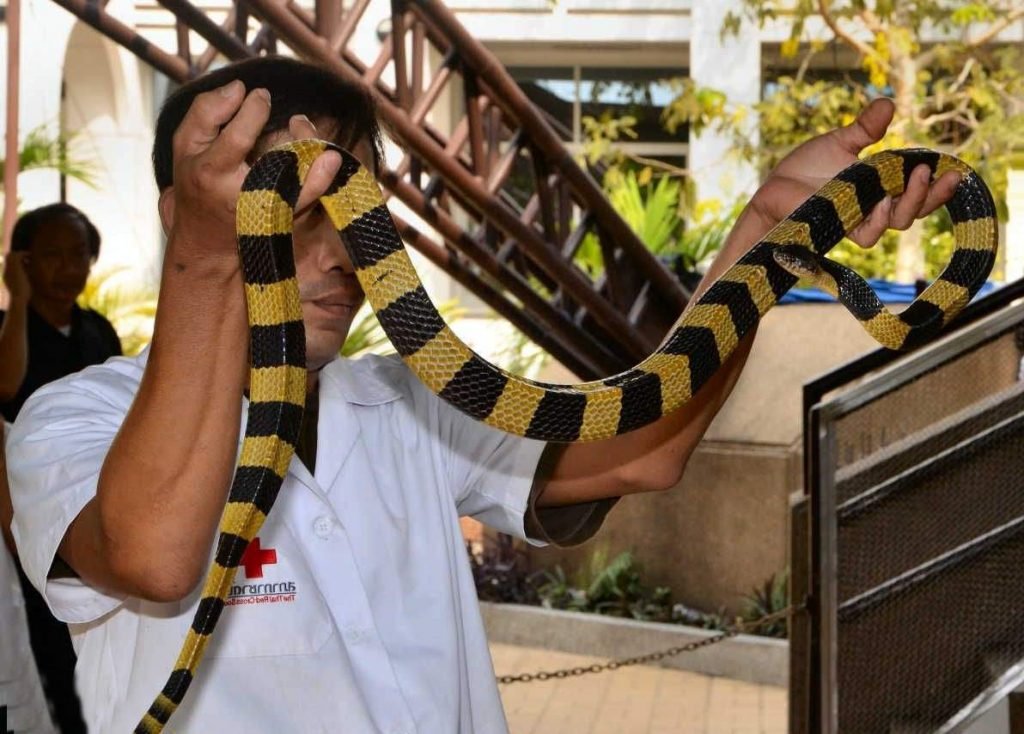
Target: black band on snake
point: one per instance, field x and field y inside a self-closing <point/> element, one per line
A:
<point x="700" y="341"/>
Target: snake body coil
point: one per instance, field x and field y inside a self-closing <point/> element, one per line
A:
<point x="700" y="341"/>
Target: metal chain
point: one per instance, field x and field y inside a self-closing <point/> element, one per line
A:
<point x="650" y="657"/>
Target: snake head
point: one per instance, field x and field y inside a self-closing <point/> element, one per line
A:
<point x="798" y="260"/>
<point x="808" y="266"/>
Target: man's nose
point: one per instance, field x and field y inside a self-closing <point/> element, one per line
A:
<point x="329" y="250"/>
<point x="70" y="261"/>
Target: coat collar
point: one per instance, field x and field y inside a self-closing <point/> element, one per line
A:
<point x="346" y="385"/>
<point x="363" y="381"/>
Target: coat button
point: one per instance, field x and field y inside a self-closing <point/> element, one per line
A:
<point x="356" y="634"/>
<point x="323" y="526"/>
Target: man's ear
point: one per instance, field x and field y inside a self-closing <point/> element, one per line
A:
<point x="165" y="205"/>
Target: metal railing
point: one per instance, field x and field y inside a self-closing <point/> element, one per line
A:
<point x="908" y="543"/>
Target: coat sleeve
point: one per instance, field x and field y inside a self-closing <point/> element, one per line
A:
<point x="54" y="455"/>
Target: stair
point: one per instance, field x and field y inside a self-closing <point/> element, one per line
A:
<point x="494" y="200"/>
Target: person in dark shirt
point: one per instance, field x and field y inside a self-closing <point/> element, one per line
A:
<point x="44" y="336"/>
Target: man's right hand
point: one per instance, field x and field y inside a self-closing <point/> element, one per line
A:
<point x="16" y="277"/>
<point x="211" y="149"/>
<point x="182" y="430"/>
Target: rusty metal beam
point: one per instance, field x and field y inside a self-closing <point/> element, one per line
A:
<point x="90" y="12"/>
<point x="418" y="44"/>
<point x="239" y="17"/>
<point x="181" y="32"/>
<point x="426" y="101"/>
<point x="328" y="17"/>
<point x="402" y="94"/>
<point x="206" y="58"/>
<point x="200" y="22"/>
<point x="348" y="27"/>
<point x="307" y="43"/>
<point x="547" y="201"/>
<point x="508" y="93"/>
<point x="476" y="125"/>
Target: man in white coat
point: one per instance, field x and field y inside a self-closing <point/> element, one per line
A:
<point x="354" y="610"/>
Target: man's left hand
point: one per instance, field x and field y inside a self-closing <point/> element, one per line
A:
<point x="811" y="165"/>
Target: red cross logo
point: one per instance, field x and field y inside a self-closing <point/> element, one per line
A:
<point x="255" y="558"/>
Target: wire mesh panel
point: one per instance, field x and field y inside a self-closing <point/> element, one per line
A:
<point x="917" y="508"/>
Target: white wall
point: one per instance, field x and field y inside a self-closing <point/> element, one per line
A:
<point x="108" y="109"/>
<point x="107" y="104"/>
<point x="731" y="65"/>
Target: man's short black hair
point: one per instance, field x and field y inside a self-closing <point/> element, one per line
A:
<point x="29" y="223"/>
<point x="296" y="88"/>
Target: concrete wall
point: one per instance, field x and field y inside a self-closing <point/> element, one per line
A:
<point x="724" y="529"/>
<point x="713" y="538"/>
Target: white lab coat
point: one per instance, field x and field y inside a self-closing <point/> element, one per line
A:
<point x="365" y="617"/>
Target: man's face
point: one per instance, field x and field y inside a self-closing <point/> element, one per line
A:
<point x="328" y="287"/>
<point x="58" y="261"/>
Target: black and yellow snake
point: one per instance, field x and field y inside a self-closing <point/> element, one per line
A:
<point x="701" y="340"/>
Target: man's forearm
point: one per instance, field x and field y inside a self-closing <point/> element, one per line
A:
<point x="164" y="482"/>
<point x="652" y="458"/>
<point x="13" y="349"/>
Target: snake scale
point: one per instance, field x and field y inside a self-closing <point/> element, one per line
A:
<point x="701" y="340"/>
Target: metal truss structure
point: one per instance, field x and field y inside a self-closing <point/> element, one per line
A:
<point x="512" y="205"/>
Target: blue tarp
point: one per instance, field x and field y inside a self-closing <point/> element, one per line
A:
<point x="887" y="290"/>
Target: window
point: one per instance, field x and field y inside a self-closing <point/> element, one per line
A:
<point x="569" y="93"/>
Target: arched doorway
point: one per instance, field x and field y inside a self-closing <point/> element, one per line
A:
<point x="106" y="112"/>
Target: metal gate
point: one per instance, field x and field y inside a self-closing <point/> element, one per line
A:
<point x="908" y="544"/>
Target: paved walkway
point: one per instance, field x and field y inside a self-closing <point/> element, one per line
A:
<point x="634" y="700"/>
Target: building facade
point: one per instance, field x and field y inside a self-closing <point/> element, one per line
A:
<point x="573" y="57"/>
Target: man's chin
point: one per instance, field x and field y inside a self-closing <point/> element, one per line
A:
<point x="321" y="353"/>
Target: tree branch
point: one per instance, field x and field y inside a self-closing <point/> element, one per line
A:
<point x="842" y="35"/>
<point x="964" y="73"/>
<point x="941" y="117"/>
<point x="871" y="20"/>
<point x="925" y="58"/>
<point x="804" y="65"/>
<point x="998" y="27"/>
<point x="667" y="168"/>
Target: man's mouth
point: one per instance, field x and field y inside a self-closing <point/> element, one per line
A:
<point x="335" y="304"/>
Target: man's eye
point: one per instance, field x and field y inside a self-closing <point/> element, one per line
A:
<point x="311" y="216"/>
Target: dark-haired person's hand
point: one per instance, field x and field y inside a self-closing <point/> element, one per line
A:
<point x="210" y="149"/>
<point x="16" y="277"/>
